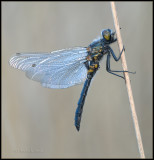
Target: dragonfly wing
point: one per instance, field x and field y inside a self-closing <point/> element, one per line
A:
<point x="58" y="69"/>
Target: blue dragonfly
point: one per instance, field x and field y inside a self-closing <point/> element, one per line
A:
<point x="68" y="67"/>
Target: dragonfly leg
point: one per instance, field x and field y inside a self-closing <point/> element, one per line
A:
<point x="111" y="71"/>
<point x="114" y="56"/>
<point x="116" y="59"/>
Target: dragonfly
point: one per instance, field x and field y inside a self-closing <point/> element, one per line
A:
<point x="68" y="67"/>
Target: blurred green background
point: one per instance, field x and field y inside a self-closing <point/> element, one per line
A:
<point x="38" y="122"/>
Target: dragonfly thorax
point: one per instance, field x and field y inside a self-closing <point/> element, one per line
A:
<point x="97" y="49"/>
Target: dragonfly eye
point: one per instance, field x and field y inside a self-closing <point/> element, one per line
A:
<point x="106" y="34"/>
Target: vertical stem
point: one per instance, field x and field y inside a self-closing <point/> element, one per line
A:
<point x="127" y="80"/>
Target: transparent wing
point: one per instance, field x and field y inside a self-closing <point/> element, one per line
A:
<point x="58" y="69"/>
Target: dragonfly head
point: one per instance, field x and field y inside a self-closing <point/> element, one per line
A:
<point x="108" y="35"/>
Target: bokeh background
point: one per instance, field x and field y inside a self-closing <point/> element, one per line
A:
<point x="38" y="122"/>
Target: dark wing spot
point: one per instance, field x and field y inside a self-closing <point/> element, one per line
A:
<point x="33" y="65"/>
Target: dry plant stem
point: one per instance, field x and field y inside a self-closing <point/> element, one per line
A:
<point x="127" y="80"/>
